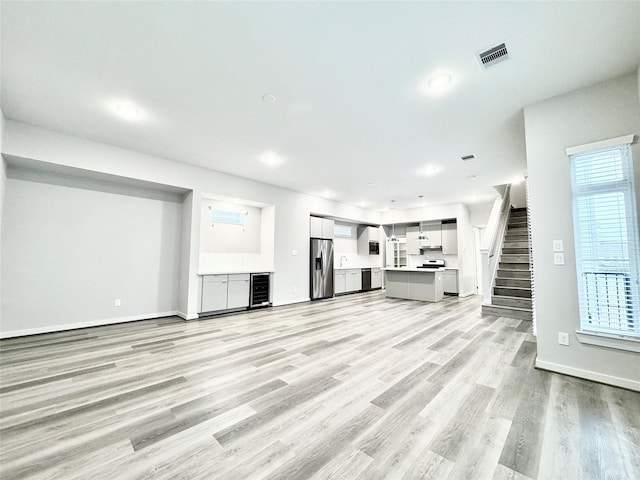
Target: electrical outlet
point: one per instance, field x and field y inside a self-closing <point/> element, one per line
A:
<point x="563" y="338"/>
<point x="558" y="246"/>
<point x="117" y="302"/>
<point x="294" y="252"/>
<point x="295" y="289"/>
<point x="558" y="258"/>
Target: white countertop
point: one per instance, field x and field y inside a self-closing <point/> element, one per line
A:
<point x="352" y="268"/>
<point x="413" y="269"/>
<point x="226" y="272"/>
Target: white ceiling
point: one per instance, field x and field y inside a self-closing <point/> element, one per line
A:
<point x="348" y="78"/>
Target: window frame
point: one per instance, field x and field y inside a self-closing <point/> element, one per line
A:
<point x="590" y="334"/>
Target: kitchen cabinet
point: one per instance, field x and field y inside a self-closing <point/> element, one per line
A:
<point x="413" y="247"/>
<point x="424" y="285"/>
<point x="433" y="233"/>
<point x="224" y="292"/>
<point x="433" y="241"/>
<point x="353" y="280"/>
<point x="339" y="281"/>
<point x="376" y="278"/>
<point x="366" y="237"/>
<point x="450" y="282"/>
<point x="397" y="253"/>
<point x="449" y="237"/>
<point x="321" y="227"/>
<point x="238" y="291"/>
<point x="397" y="284"/>
<point x="214" y="293"/>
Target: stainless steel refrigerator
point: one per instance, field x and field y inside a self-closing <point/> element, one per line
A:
<point x="321" y="284"/>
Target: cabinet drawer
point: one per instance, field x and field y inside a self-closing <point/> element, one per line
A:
<point x="214" y="278"/>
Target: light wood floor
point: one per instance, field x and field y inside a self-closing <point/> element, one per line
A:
<point x="358" y="387"/>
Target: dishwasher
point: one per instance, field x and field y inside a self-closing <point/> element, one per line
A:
<point x="366" y="279"/>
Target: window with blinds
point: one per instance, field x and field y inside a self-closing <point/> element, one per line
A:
<point x="606" y="240"/>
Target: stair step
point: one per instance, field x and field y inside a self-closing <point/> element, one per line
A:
<point x="516" y="244"/>
<point x="506" y="273"/>
<point x="517" y="231"/>
<point x="513" y="282"/>
<point x="516" y="238"/>
<point x="509" y="312"/>
<point x="512" y="291"/>
<point x="516" y="250"/>
<point x="517" y="222"/>
<point x="518" y="302"/>
<point x="513" y="258"/>
<point x="514" y="266"/>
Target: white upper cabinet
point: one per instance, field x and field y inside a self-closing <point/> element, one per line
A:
<point x="321" y="227"/>
<point x="450" y="238"/>
<point x="433" y="240"/>
<point x="413" y="247"/>
<point x="367" y="236"/>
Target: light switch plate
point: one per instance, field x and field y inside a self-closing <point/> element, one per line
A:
<point x="117" y="302"/>
<point x="294" y="252"/>
<point x="558" y="258"/>
<point x="563" y="338"/>
<point x="558" y="246"/>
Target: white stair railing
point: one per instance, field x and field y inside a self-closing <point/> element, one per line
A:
<point x="492" y="246"/>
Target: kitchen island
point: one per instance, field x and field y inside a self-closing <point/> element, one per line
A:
<point x="423" y="284"/>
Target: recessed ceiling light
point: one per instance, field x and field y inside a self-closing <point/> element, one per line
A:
<point x="328" y="194"/>
<point x="472" y="177"/>
<point x="439" y="82"/>
<point x="370" y="184"/>
<point x="430" y="170"/>
<point x="271" y="159"/>
<point x="128" y="111"/>
<point x="267" y="97"/>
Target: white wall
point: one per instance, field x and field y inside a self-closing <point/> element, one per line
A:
<point x="292" y="209"/>
<point x="72" y="246"/>
<point x="479" y="213"/>
<point x="606" y="110"/>
<point x="227" y="238"/>
<point x="3" y="181"/>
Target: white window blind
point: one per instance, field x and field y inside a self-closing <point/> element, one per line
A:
<point x="606" y="240"/>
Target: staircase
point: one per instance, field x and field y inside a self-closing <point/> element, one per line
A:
<point x="512" y="286"/>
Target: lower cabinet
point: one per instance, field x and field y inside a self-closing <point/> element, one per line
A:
<point x="224" y="292"/>
<point x="238" y="293"/>
<point x="214" y="293"/>
<point x="450" y="282"/>
<point x="353" y="280"/>
<point x="339" y="281"/>
<point x="376" y="278"/>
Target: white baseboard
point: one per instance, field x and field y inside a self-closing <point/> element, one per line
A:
<point x="184" y="316"/>
<point x="291" y="302"/>
<point x="589" y="375"/>
<point x="93" y="323"/>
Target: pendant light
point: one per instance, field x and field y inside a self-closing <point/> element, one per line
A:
<point x="421" y="235"/>
<point x="393" y="237"/>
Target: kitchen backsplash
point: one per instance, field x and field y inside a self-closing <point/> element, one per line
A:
<point x="450" y="261"/>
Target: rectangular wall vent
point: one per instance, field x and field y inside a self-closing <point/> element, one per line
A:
<point x="494" y="55"/>
<point x="467" y="157"/>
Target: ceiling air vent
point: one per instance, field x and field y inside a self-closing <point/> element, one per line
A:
<point x="467" y="157"/>
<point x="494" y="55"/>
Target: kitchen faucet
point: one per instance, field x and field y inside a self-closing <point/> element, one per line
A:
<point x="345" y="259"/>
